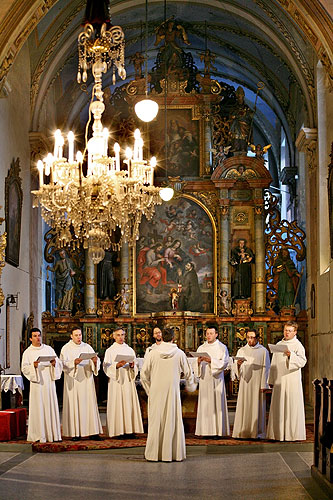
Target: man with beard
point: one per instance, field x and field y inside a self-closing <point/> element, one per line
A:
<point x="157" y="334"/>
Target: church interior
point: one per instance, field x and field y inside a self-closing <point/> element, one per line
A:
<point x="242" y="140"/>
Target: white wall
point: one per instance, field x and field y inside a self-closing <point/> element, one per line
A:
<point x="14" y="143"/>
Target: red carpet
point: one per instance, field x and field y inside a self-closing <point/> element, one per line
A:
<point x="140" y="440"/>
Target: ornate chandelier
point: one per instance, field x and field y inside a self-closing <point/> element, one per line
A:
<point x="86" y="208"/>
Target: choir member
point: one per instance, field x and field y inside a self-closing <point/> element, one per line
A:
<point x="44" y="421"/>
<point x="287" y="417"/>
<point x="212" y="415"/>
<point x="252" y="371"/>
<point x="123" y="408"/>
<point x="160" y="377"/>
<point x="80" y="417"/>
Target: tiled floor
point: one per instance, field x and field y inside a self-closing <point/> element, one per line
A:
<point x="115" y="474"/>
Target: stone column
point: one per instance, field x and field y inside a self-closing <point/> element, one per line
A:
<point x="125" y="289"/>
<point x="260" y="283"/>
<point x="90" y="295"/>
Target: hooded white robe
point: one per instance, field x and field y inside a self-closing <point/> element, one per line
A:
<point x="212" y="415"/>
<point x="287" y="417"/>
<point x="123" y="408"/>
<point x="160" y="377"/>
<point x="250" y="417"/>
<point x="80" y="417"/>
<point x="44" y="421"/>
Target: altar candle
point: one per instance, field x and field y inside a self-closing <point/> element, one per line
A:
<point x="140" y="143"/>
<point x="153" y="163"/>
<point x="117" y="151"/>
<point x="106" y="138"/>
<point x="40" y="167"/>
<point x="129" y="154"/>
<point x="137" y="136"/>
<point x="61" y="144"/>
<point x="70" y="138"/>
<point x="57" y="136"/>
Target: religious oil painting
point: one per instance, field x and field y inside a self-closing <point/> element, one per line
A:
<point x="175" y="258"/>
<point x="13" y="196"/>
<point x="179" y="144"/>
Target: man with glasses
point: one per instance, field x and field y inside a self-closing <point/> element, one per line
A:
<point x="251" y="366"/>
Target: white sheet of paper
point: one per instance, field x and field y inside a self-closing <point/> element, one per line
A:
<point x="239" y="358"/>
<point x="200" y="354"/>
<point x="277" y="348"/>
<point x="87" y="355"/>
<point x="124" y="357"/>
<point x="43" y="359"/>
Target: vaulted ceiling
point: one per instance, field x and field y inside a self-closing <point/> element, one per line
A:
<point x="278" y="42"/>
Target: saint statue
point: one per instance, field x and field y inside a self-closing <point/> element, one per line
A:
<point x="171" y="52"/>
<point x="64" y="277"/>
<point x="286" y="278"/>
<point x="106" y="277"/>
<point x="241" y="259"/>
<point x="240" y="123"/>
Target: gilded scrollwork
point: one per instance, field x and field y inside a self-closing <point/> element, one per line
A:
<point x="281" y="235"/>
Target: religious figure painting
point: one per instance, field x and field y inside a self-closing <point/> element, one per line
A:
<point x="179" y="144"/>
<point x="175" y="259"/>
<point x="14" y="197"/>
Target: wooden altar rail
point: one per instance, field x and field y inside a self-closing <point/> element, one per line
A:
<point x="322" y="468"/>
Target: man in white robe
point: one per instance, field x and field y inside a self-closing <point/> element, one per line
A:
<point x="160" y="377"/>
<point x="157" y="334"/>
<point x="123" y="409"/>
<point x="287" y="416"/>
<point x="80" y="417"/>
<point x="212" y="415"/>
<point x="44" y="421"/>
<point x="250" y="417"/>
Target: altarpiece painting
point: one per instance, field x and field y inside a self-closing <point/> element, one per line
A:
<point x="175" y="259"/>
<point x="179" y="143"/>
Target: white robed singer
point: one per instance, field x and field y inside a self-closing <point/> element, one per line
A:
<point x="44" y="421"/>
<point x="212" y="415"/>
<point x="123" y="408"/>
<point x="160" y="377"/>
<point x="80" y="417"/>
<point x="287" y="417"/>
<point x="250" y="417"/>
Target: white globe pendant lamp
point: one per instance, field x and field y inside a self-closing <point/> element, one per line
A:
<point x="166" y="193"/>
<point x="146" y="109"/>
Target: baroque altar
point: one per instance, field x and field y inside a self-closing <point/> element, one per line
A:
<point x="217" y="252"/>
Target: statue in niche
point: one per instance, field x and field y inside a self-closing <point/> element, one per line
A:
<point x="137" y="59"/>
<point x="171" y="52"/>
<point x="240" y="124"/>
<point x="122" y="301"/>
<point x="208" y="58"/>
<point x="225" y="301"/>
<point x="241" y="259"/>
<point x="286" y="278"/>
<point x="65" y="283"/>
<point x="107" y="289"/>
